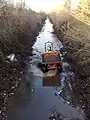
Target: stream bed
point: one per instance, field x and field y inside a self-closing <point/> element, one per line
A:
<point x="41" y="97"/>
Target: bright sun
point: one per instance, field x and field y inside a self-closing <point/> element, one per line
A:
<point x="43" y="5"/>
<point x="48" y="5"/>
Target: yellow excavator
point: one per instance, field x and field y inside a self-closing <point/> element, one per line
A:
<point x="51" y="59"/>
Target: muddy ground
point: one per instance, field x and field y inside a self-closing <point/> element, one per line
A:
<point x="75" y="36"/>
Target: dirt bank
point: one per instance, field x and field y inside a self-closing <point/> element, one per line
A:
<point x="11" y="74"/>
<point x="75" y="37"/>
<point x="18" y="33"/>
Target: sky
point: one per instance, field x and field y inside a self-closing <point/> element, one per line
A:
<point x="44" y="5"/>
<point x="47" y="5"/>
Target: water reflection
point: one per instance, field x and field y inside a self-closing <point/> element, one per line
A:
<point x="51" y="80"/>
<point x="23" y="93"/>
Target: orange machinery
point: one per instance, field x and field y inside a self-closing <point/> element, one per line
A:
<point x="51" y="59"/>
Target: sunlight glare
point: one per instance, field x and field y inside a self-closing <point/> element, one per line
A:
<point x="74" y="4"/>
<point x="44" y="5"/>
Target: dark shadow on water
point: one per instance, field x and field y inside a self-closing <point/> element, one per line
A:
<point x="51" y="81"/>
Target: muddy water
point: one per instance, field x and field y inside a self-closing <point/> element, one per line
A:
<point x="41" y="96"/>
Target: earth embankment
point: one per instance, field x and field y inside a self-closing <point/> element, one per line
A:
<point x="75" y="37"/>
<point x="18" y="30"/>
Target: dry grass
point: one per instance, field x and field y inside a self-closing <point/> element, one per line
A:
<point x="76" y="39"/>
<point x="78" y="34"/>
<point x="18" y="30"/>
<point x="18" y="26"/>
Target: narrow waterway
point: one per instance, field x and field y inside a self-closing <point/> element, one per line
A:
<point x="45" y="97"/>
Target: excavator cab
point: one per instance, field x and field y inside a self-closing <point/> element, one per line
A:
<point x="48" y="46"/>
<point x="51" y="59"/>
